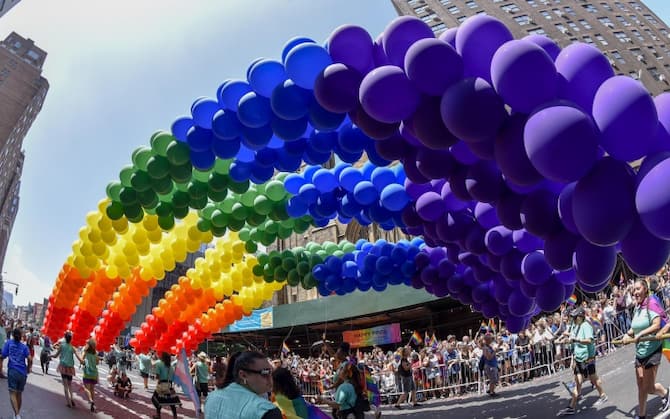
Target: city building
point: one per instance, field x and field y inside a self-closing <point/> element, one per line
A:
<point x="5" y="5"/>
<point x="22" y="93"/>
<point x="634" y="38"/>
<point x="7" y="300"/>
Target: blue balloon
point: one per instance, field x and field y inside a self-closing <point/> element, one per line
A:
<point x="394" y="198"/>
<point x="245" y="155"/>
<point x="203" y="111"/>
<point x="349" y="269"/>
<point x="225" y="149"/>
<point x="230" y="93"/>
<point x="304" y="62"/>
<point x="257" y="138"/>
<point x="295" y="41"/>
<point x="265" y="75"/>
<point x="261" y="174"/>
<point x="322" y="141"/>
<point x="382" y="177"/>
<point x="290" y="101"/>
<point x="374" y="157"/>
<point x="308" y="173"/>
<point x="288" y="130"/>
<point x="252" y="64"/>
<point x="365" y="193"/>
<point x="308" y="193"/>
<point x="225" y="125"/>
<point x="351" y="139"/>
<point x="349" y="207"/>
<point x="379" y="214"/>
<point x="253" y="110"/>
<point x="240" y="171"/>
<point x="313" y="157"/>
<point x="266" y="157"/>
<point x="293" y="182"/>
<point x="199" y="139"/>
<point x="348" y="157"/>
<point x="324" y="180"/>
<point x="296" y="147"/>
<point x="180" y="128"/>
<point x="287" y="162"/>
<point x="323" y="119"/>
<point x="296" y="207"/>
<point x="202" y="160"/>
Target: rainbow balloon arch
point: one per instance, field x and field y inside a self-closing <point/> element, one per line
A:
<point x="507" y="160"/>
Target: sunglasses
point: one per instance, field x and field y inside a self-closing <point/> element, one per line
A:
<point x="265" y="372"/>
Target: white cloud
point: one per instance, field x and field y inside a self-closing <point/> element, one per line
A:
<point x="31" y="288"/>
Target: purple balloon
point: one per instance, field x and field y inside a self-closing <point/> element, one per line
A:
<point x="413" y="174"/>
<point x="351" y="45"/>
<point x="387" y="95"/>
<point x="516" y="324"/>
<point x="479" y="37"/>
<point x="457" y="182"/>
<point x="499" y="240"/>
<point x="650" y="162"/>
<point x="652" y="200"/>
<point x="455" y="284"/>
<point x="508" y="210"/>
<point x="519" y="304"/>
<point x="501" y="291"/>
<point x="393" y="148"/>
<point x="539" y="213"/>
<point x="452" y="202"/>
<point x="549" y="46"/>
<point x="568" y="277"/>
<point x="474" y="240"/>
<point x="428" y="126"/>
<point x="535" y="268"/>
<point x="593" y="264"/>
<point x="434" y="164"/>
<point x="550" y="295"/>
<point x="525" y="241"/>
<point x="623" y="109"/>
<point x="528" y="289"/>
<point x="593" y="288"/>
<point x="558" y="249"/>
<point x="524" y="75"/>
<point x="644" y="253"/>
<point x="483" y="181"/>
<point x="463" y="154"/>
<point x="449" y="36"/>
<point x="472" y="110"/>
<point x="561" y="143"/>
<point x="336" y="88"/>
<point x="433" y="65"/>
<point x="430" y="206"/>
<point x="401" y="34"/>
<point x="485" y="150"/>
<point x="510" y="265"/>
<point x="371" y="127"/>
<point x="582" y="69"/>
<point x="603" y="204"/>
<point x="510" y="153"/>
<point x="565" y="208"/>
<point x="662" y="139"/>
<point x="485" y="214"/>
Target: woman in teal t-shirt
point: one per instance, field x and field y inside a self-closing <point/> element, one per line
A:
<point x="66" y="355"/>
<point x="647" y="353"/>
<point x="90" y="357"/>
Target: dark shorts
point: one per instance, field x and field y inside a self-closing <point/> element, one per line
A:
<point x="406" y="384"/>
<point x="649" y="361"/>
<point x="66" y="377"/>
<point x="144" y="374"/>
<point x="585" y="368"/>
<point x="90" y="381"/>
<point x="202" y="389"/>
<point x="16" y="381"/>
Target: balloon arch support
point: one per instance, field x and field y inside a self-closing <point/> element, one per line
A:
<point x="507" y="160"/>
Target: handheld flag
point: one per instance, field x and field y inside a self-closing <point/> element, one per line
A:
<point x="298" y="408"/>
<point x="426" y="338"/>
<point x="492" y="325"/>
<point x="416" y="338"/>
<point x="285" y="349"/>
<point x="433" y="341"/>
<point x="183" y="377"/>
<point x="572" y="300"/>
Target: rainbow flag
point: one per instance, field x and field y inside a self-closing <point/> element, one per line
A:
<point x="426" y="338"/>
<point x="596" y="324"/>
<point x="433" y="341"/>
<point x="298" y="408"/>
<point x="285" y="349"/>
<point x="372" y="389"/>
<point x="416" y="338"/>
<point x="572" y="300"/>
<point x="666" y="349"/>
<point x="492" y="325"/>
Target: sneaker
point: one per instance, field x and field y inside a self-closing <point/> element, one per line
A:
<point x="666" y="401"/>
<point x="602" y="399"/>
<point x="567" y="411"/>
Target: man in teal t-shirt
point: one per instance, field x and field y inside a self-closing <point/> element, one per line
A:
<point x="580" y="334"/>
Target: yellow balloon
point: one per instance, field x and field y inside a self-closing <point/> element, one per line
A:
<point x="247" y="280"/>
<point x="120" y="225"/>
<point x="83" y="234"/>
<point x="194" y="234"/>
<point x="125" y="272"/>
<point x="169" y="265"/>
<point x="111" y="271"/>
<point x="109" y="237"/>
<point x="227" y="286"/>
<point x="92" y="218"/>
<point x="210" y="253"/>
<point x="237" y="257"/>
<point x="133" y="260"/>
<point x="238" y="247"/>
<point x="145" y="273"/>
<point x="105" y="224"/>
<point x="102" y="205"/>
<point x="160" y="276"/>
<point x="155" y="236"/>
<point x="206" y="237"/>
<point x="218" y="291"/>
<point x="236" y="278"/>
<point x="191" y="273"/>
<point x="140" y="236"/>
<point x="150" y="222"/>
<point x="99" y="248"/>
<point x="192" y="245"/>
<point x="86" y="249"/>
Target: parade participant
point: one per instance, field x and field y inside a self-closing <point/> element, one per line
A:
<point x="407" y="387"/>
<point x="3" y="339"/>
<point x="32" y="339"/>
<point x="581" y="336"/>
<point x="219" y="370"/>
<point x="123" y="386"/>
<point x="245" y="397"/>
<point x="287" y="397"/>
<point x="490" y="364"/>
<point x="66" y="354"/>
<point x="647" y="353"/>
<point x="164" y="395"/>
<point x="200" y="370"/>
<point x="89" y="356"/>
<point x="45" y="352"/>
<point x="18" y="368"/>
<point x="145" y="368"/>
<point x="346" y="396"/>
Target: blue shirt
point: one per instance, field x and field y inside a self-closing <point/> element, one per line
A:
<point x="17" y="353"/>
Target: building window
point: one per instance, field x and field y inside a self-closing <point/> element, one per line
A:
<point x="638" y="54"/>
<point x="637" y="34"/>
<point x="589" y="8"/>
<point x="634" y="5"/>
<point x="17" y="45"/>
<point x="606" y="6"/>
<point x="569" y="10"/>
<point x="573" y="26"/>
<point x="588" y="40"/>
<point x="461" y="19"/>
<point x="664" y="32"/>
<point x="546" y="14"/>
<point x="601" y="39"/>
<point x="471" y="4"/>
<point x="453" y="10"/>
<point x="439" y="28"/>
<point x="617" y="56"/>
<point x="655" y="54"/>
<point x="650" y="34"/>
<point x="655" y="73"/>
<point x="33" y="55"/>
<point x="510" y="8"/>
<point x="414" y="2"/>
<point x="561" y="28"/>
<point x="445" y="2"/>
<point x="622" y="21"/>
<point x="585" y="24"/>
<point x="606" y="21"/>
<point x="531" y="3"/>
<point x="536" y="31"/>
<point x="420" y="10"/>
<point x="621" y="36"/>
<point x="621" y="6"/>
<point x="522" y="20"/>
<point x="651" y="19"/>
<point x="557" y="12"/>
<point x="429" y="17"/>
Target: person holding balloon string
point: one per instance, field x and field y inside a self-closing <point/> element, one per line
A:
<point x="646" y="322"/>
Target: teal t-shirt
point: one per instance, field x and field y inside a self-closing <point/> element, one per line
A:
<point x="66" y="355"/>
<point x="145" y="363"/>
<point x="90" y="365"/>
<point x="345" y="396"/>
<point x="642" y="319"/>
<point x="583" y="351"/>
<point x="163" y="372"/>
<point x="202" y="371"/>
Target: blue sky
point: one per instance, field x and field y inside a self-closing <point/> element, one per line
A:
<point x="121" y="70"/>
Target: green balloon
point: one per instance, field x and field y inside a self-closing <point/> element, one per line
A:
<point x="128" y="196"/>
<point x="219" y="231"/>
<point x="141" y="157"/>
<point x="250" y="247"/>
<point x="338" y="253"/>
<point x="303" y="268"/>
<point x="180" y="212"/>
<point x="330" y="247"/>
<point x="255" y="219"/>
<point x="257" y="270"/>
<point x="164" y="209"/>
<point x="271" y="227"/>
<point x="256" y="235"/>
<point x="300" y="226"/>
<point x="293" y="278"/>
<point x="160" y="142"/>
<point x="315" y="260"/>
<point x="284" y="233"/>
<point x="280" y="274"/>
<point x="312" y="247"/>
<point x="290" y="223"/>
<point x="217" y="196"/>
<point x="219" y="218"/>
<point x="247" y="198"/>
<point x="275" y="190"/>
<point x="206" y="212"/>
<point x="238" y="187"/>
<point x="275" y="261"/>
<point x="245" y="234"/>
<point x="347" y="247"/>
<point x="222" y="166"/>
<point x="201" y="176"/>
<point x="113" y="190"/>
<point x="166" y="222"/>
<point x="227" y="205"/>
<point x="158" y="167"/>
<point x="125" y="174"/>
<point x="178" y="154"/>
<point x="322" y="254"/>
<point x="162" y="186"/>
<point x="197" y="189"/>
<point x="140" y="180"/>
<point x="132" y="212"/>
<point x="288" y="263"/>
<point x="262" y="205"/>
<point x="235" y="224"/>
<point x="218" y="182"/>
<point x="150" y="211"/>
<point x="263" y="258"/>
<point x="199" y="203"/>
<point x="114" y="210"/>
<point x="204" y="225"/>
<point x="308" y="281"/>
<point x="239" y="211"/>
<point x="181" y="174"/>
<point x="267" y="239"/>
<point x="148" y="199"/>
<point x="278" y="212"/>
<point x="181" y="186"/>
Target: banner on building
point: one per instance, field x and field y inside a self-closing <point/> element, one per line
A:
<point x="258" y="319"/>
<point x="379" y="335"/>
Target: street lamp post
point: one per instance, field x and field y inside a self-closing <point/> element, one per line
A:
<point x="2" y="289"/>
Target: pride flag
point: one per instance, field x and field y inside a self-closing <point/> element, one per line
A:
<point x="666" y="349"/>
<point x="285" y="349"/>
<point x="298" y="408"/>
<point x="182" y="376"/>
<point x="372" y="389"/>
<point x="426" y="338"/>
<point x="492" y="325"/>
<point x="433" y="341"/>
<point x="416" y="338"/>
<point x="572" y="300"/>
